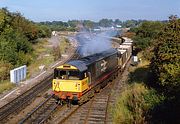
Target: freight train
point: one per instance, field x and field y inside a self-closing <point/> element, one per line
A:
<point x="78" y="80"/>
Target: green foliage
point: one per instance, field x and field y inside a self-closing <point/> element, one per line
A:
<point x="19" y="23"/>
<point x="74" y="25"/>
<point x="44" y="31"/>
<point x="130" y="23"/>
<point x="117" y="22"/>
<point x="146" y="33"/>
<point x="12" y="43"/>
<point x="134" y="103"/>
<point x="5" y="19"/>
<point x="142" y="43"/>
<point x="60" y="26"/>
<point x="166" y="61"/>
<point x="105" y="22"/>
<point x="4" y="70"/>
<point x="149" y="29"/>
<point x="16" y="37"/>
<point x="88" y="24"/>
<point x="6" y="85"/>
<point x="23" y="59"/>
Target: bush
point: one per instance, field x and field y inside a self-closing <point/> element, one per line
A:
<point x="165" y="62"/>
<point x="134" y="103"/>
<point x="6" y="85"/>
<point x="13" y="44"/>
<point x="146" y="33"/>
<point x="56" y="52"/>
<point x="4" y="70"/>
<point x="23" y="59"/>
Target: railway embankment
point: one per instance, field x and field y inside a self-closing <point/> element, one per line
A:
<point x="135" y="99"/>
<point x="10" y="98"/>
<point x="37" y="71"/>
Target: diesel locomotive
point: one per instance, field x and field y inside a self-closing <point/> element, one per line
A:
<point x="78" y="80"/>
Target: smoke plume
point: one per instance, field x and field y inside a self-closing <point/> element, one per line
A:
<point x="91" y="43"/>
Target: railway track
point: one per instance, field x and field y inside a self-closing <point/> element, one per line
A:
<point x="22" y="101"/>
<point x="94" y="111"/>
<point x="42" y="112"/>
<point x="97" y="109"/>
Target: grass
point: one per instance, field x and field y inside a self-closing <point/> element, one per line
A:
<point x="33" y="69"/>
<point x="126" y="108"/>
<point x="134" y="103"/>
<point x="43" y="56"/>
<point x="64" y="45"/>
<point x="139" y="73"/>
<point x="6" y="85"/>
<point x="136" y="99"/>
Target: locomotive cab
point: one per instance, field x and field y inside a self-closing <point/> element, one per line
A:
<point x="69" y="82"/>
<point x="68" y="74"/>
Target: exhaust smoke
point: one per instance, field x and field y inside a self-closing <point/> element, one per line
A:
<point x="91" y="43"/>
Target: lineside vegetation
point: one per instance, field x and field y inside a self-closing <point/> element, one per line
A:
<point x="152" y="92"/>
<point x="22" y="42"/>
<point x="17" y="36"/>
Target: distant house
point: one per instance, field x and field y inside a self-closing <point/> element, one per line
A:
<point x="118" y="26"/>
<point x="97" y="29"/>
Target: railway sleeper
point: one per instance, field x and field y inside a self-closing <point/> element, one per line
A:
<point x="86" y="97"/>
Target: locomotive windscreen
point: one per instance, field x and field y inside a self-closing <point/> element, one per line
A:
<point x="68" y="74"/>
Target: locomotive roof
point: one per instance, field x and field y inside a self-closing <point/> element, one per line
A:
<point x="82" y="64"/>
<point x="78" y="64"/>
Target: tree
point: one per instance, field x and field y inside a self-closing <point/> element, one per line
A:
<point x="146" y="33"/>
<point x="11" y="43"/>
<point x="105" y="22"/>
<point x="166" y="61"/>
<point x="130" y="23"/>
<point x="5" y="68"/>
<point x="16" y="35"/>
<point x="88" y="24"/>
<point x="5" y="19"/>
<point x="117" y="22"/>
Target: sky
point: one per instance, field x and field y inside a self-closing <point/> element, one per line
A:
<point x="64" y="10"/>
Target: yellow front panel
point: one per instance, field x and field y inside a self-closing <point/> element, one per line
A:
<point x="70" y="85"/>
<point x="85" y="84"/>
